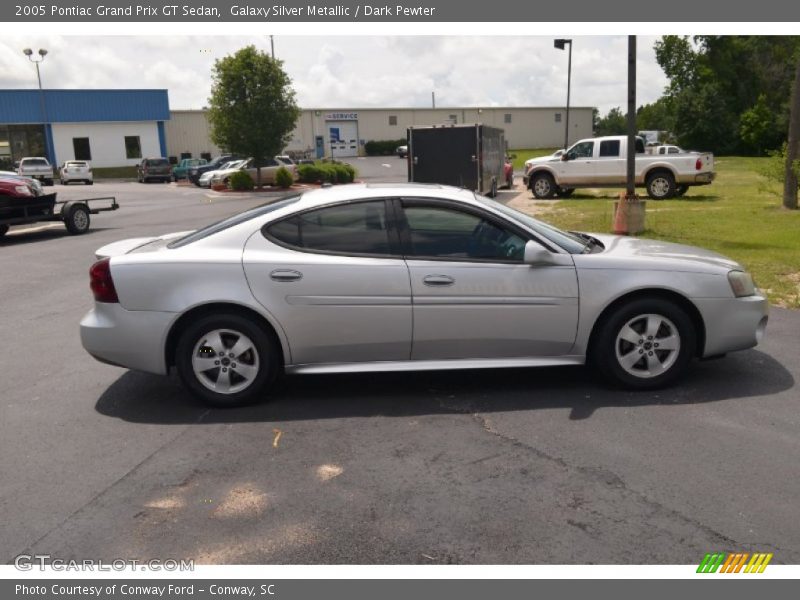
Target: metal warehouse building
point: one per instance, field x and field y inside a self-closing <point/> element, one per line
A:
<point x="111" y="128"/>
<point x="343" y="132"/>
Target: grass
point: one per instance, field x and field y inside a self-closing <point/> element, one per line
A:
<point x="114" y="172"/>
<point x="526" y="153"/>
<point x="739" y="215"/>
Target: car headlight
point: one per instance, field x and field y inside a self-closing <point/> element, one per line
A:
<point x="741" y="283"/>
<point x="23" y="190"/>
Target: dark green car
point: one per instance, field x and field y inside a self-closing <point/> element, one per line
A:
<point x="180" y="170"/>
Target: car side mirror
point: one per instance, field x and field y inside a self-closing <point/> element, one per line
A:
<point x="536" y="254"/>
<point x="565" y="157"/>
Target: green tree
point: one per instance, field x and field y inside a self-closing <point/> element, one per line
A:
<point x="614" y="123"/>
<point x="729" y="94"/>
<point x="657" y="116"/>
<point x="252" y="109"/>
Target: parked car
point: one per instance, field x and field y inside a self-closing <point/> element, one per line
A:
<point x="205" y="178"/>
<point x="529" y="164"/>
<point x="268" y="171"/>
<point x="150" y="169"/>
<point x="601" y="162"/>
<point x="181" y="170"/>
<point x="403" y="278"/>
<point x="76" y="170"/>
<point x="35" y="183"/>
<point x="194" y="173"/>
<point x="19" y="199"/>
<point x="401" y="151"/>
<point x="36" y="167"/>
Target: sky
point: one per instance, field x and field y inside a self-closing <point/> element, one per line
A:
<point x="352" y="71"/>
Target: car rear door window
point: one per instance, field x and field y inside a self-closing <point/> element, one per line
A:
<point x="609" y="148"/>
<point x="446" y="233"/>
<point x="359" y="228"/>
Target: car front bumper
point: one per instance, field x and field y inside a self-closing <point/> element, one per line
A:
<point x="125" y="338"/>
<point x="733" y="323"/>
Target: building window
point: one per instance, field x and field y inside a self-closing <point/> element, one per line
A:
<point x="507" y="118"/>
<point x="186" y="155"/>
<point x="133" y="146"/>
<point x="453" y="119"/>
<point x="206" y="155"/>
<point x="558" y="117"/>
<point x="392" y="119"/>
<point x="81" y="149"/>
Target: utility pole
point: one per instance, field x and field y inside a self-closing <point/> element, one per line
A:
<point x="272" y="45"/>
<point x="631" y="158"/>
<point x="560" y="43"/>
<point x="433" y="99"/>
<point x="42" y="53"/>
<point x="790" y="184"/>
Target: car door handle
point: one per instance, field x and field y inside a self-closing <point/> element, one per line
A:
<point x="438" y="280"/>
<point x="285" y="275"/>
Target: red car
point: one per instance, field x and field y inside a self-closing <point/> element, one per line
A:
<point x="20" y="200"/>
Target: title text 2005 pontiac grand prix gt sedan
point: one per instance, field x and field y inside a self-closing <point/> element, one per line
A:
<point x="408" y="277"/>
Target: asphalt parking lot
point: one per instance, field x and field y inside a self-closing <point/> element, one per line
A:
<point x="509" y="466"/>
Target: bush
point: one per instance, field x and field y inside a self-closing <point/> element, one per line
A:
<point x="326" y="172"/>
<point x="241" y="181"/>
<point x="775" y="167"/>
<point x="383" y="147"/>
<point x="283" y="178"/>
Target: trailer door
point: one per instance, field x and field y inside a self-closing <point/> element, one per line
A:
<point x="444" y="155"/>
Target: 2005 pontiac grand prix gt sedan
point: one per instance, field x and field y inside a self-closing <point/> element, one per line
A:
<point x="408" y="277"/>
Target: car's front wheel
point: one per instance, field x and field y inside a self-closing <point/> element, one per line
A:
<point x="644" y="344"/>
<point x="226" y="360"/>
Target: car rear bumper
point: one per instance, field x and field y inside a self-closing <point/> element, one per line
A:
<point x="733" y="323"/>
<point x="130" y="339"/>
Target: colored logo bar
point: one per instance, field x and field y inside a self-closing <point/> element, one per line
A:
<point x="736" y="562"/>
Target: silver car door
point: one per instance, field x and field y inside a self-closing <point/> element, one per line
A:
<point x="334" y="279"/>
<point x="472" y="295"/>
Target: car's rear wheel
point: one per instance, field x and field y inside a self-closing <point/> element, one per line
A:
<point x="3" y="230"/>
<point x="543" y="186"/>
<point x="226" y="360"/>
<point x="645" y="344"/>
<point x="680" y="190"/>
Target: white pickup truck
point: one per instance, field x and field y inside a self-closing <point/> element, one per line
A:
<point x="36" y="167"/>
<point x="601" y="162"/>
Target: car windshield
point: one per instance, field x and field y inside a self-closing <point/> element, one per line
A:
<point x="237" y="219"/>
<point x="568" y="241"/>
<point x="156" y="162"/>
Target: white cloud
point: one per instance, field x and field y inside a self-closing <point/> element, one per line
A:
<point x="352" y="71"/>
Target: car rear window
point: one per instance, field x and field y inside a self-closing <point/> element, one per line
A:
<point x="156" y="162"/>
<point x="76" y="163"/>
<point x="35" y="162"/>
<point x="258" y="211"/>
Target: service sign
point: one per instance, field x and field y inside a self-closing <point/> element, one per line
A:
<point x="341" y="116"/>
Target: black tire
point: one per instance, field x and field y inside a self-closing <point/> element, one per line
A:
<point x="88" y="182"/>
<point x="660" y="185"/>
<point x="62" y="182"/>
<point x="609" y="349"/>
<point x="265" y="357"/>
<point x="680" y="190"/>
<point x="565" y="192"/>
<point x="3" y="230"/>
<point x="77" y="219"/>
<point x="493" y="190"/>
<point x="48" y="182"/>
<point x="543" y="186"/>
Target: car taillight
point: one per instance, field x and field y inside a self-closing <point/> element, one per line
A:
<point x="698" y="165"/>
<point x="101" y="282"/>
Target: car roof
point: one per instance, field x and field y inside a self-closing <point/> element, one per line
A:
<point x="358" y="191"/>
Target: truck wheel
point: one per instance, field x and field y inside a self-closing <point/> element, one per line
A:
<point x="77" y="219"/>
<point x="48" y="182"/>
<point x="543" y="186"/>
<point x="493" y="190"/>
<point x="681" y="190"/>
<point x="565" y="192"/>
<point x="3" y="230"/>
<point x="661" y="185"/>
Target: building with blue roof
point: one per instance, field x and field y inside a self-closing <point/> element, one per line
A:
<point x="110" y="128"/>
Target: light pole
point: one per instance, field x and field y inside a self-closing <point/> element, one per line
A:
<point x="42" y="53"/>
<point x="560" y="43"/>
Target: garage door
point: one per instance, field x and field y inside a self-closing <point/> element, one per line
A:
<point x="343" y="138"/>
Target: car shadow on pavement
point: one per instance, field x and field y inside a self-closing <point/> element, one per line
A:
<point x="143" y="398"/>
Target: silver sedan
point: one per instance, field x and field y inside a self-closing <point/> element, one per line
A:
<point x="406" y="277"/>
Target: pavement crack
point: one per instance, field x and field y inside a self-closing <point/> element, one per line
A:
<point x="110" y="486"/>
